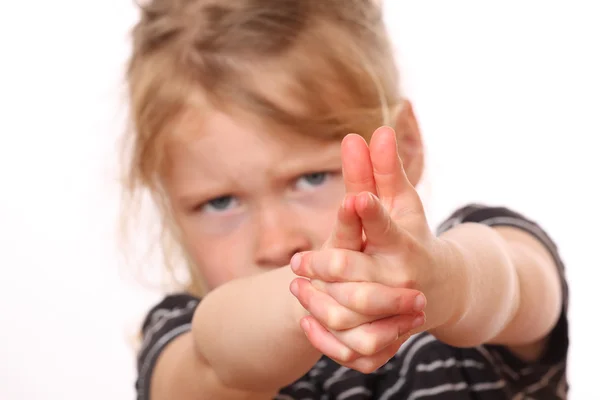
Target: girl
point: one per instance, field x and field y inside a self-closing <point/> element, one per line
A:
<point x="313" y="271"/>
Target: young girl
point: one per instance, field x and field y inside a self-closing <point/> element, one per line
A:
<point x="314" y="273"/>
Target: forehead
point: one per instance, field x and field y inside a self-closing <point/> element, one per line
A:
<point x="215" y="145"/>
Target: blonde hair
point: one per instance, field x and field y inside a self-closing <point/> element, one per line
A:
<point x="330" y="61"/>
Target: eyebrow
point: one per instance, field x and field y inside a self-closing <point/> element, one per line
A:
<point x="321" y="160"/>
<point x="330" y="159"/>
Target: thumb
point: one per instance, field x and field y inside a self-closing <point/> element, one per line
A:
<point x="348" y="231"/>
<point x="380" y="229"/>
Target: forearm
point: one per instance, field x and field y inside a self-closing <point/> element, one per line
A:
<point x="181" y="374"/>
<point x="484" y="284"/>
<point x="248" y="332"/>
<point x="508" y="294"/>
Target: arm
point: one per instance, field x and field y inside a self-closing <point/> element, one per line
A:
<point x="511" y="289"/>
<point x="243" y="336"/>
<point x="254" y="339"/>
<point x="181" y="373"/>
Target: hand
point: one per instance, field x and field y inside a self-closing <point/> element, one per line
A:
<point x="346" y="322"/>
<point x="363" y="305"/>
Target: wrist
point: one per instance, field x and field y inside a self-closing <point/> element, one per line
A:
<point x="448" y="291"/>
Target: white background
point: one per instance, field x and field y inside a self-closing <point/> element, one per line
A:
<point x="508" y="98"/>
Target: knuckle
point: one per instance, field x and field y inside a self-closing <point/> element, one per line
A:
<point x="405" y="277"/>
<point x="358" y="299"/>
<point x="339" y="264"/>
<point x="336" y="319"/>
<point x="399" y="302"/>
<point x="369" y="346"/>
<point x="346" y="355"/>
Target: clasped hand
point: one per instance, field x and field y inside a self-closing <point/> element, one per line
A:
<point x="364" y="290"/>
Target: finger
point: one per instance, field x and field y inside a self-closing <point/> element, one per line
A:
<point x="371" y="338"/>
<point x="374" y="299"/>
<point x="347" y="232"/>
<point x="390" y="178"/>
<point x="326" y="342"/>
<point x="380" y="230"/>
<point x="325" y="309"/>
<point x="356" y="165"/>
<point x="339" y="265"/>
<point x="370" y="364"/>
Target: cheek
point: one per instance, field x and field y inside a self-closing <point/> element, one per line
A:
<point x="320" y="222"/>
<point x="214" y="258"/>
<point x="326" y="224"/>
<point x="328" y="215"/>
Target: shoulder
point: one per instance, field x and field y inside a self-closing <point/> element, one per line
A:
<point x="500" y="216"/>
<point x="166" y="320"/>
<point x="170" y="309"/>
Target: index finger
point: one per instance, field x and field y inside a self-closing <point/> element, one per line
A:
<point x="374" y="299"/>
<point x="356" y="165"/>
<point x="347" y="231"/>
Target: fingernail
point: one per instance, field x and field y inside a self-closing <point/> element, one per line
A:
<point x="419" y="304"/>
<point x="296" y="261"/>
<point x="305" y="324"/>
<point x="417" y="322"/>
<point x="294" y="288"/>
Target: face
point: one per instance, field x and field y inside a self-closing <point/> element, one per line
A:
<point x="247" y="200"/>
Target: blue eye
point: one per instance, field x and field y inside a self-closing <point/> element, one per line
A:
<point x="313" y="179"/>
<point x="222" y="203"/>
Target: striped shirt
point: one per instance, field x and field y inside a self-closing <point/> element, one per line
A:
<point x="423" y="367"/>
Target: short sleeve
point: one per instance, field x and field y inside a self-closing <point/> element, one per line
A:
<point x="163" y="323"/>
<point x="501" y="216"/>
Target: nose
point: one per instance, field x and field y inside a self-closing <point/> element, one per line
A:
<point x="280" y="235"/>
